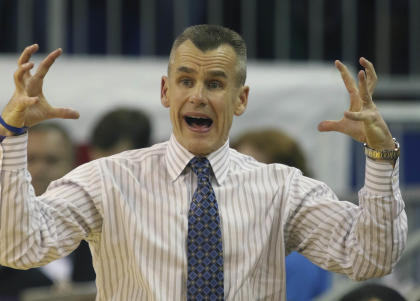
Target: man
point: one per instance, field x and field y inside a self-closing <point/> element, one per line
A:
<point x="191" y="218"/>
<point x="50" y="155"/>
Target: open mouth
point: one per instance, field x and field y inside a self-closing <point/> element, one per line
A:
<point x="198" y="123"/>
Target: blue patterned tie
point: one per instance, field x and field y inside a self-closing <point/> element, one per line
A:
<point x="204" y="241"/>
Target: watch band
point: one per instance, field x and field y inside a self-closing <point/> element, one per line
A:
<point x="389" y="155"/>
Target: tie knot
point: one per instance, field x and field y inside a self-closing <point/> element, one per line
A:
<point x="200" y="166"/>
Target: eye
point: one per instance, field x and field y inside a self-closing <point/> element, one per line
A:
<point x="214" y="84"/>
<point x="187" y="82"/>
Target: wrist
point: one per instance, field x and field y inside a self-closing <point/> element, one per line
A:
<point x="385" y="144"/>
<point x="387" y="154"/>
<point x="9" y="130"/>
<point x="5" y="132"/>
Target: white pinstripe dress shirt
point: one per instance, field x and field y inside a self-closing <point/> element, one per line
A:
<point x="132" y="209"/>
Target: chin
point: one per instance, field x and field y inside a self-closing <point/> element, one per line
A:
<point x="200" y="150"/>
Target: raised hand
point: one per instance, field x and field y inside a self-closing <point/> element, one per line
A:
<point x="362" y="121"/>
<point x="28" y="105"/>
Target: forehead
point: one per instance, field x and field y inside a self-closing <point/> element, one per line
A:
<point x="47" y="141"/>
<point x="188" y="55"/>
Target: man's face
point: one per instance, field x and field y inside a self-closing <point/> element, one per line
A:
<point x="49" y="158"/>
<point x="202" y="94"/>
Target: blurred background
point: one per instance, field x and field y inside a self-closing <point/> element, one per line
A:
<point x="115" y="52"/>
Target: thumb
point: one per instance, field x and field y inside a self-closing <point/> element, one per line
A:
<point x="64" y="113"/>
<point x="24" y="102"/>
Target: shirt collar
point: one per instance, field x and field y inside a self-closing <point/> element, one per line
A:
<point x="178" y="157"/>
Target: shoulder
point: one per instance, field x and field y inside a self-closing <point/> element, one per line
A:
<point x="243" y="163"/>
<point x="137" y="156"/>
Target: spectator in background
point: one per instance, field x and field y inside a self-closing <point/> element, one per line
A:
<point x="50" y="154"/>
<point x="274" y="146"/>
<point x="373" y="292"/>
<point x="119" y="130"/>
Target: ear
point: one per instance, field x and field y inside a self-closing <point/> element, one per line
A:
<point x="164" y="91"/>
<point x="242" y="100"/>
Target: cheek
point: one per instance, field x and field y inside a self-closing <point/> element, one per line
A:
<point x="175" y="118"/>
<point x="174" y="113"/>
<point x="227" y="107"/>
<point x="175" y="103"/>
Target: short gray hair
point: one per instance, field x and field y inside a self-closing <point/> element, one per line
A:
<point x="208" y="37"/>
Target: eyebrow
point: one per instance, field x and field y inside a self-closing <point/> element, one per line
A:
<point x="215" y="73"/>
<point x="218" y="73"/>
<point x="186" y="70"/>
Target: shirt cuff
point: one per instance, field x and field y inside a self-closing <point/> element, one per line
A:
<point x="381" y="177"/>
<point x="13" y="152"/>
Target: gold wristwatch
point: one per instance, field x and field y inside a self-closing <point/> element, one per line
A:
<point x="387" y="155"/>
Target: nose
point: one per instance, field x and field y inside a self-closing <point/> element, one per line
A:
<point x="198" y="96"/>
